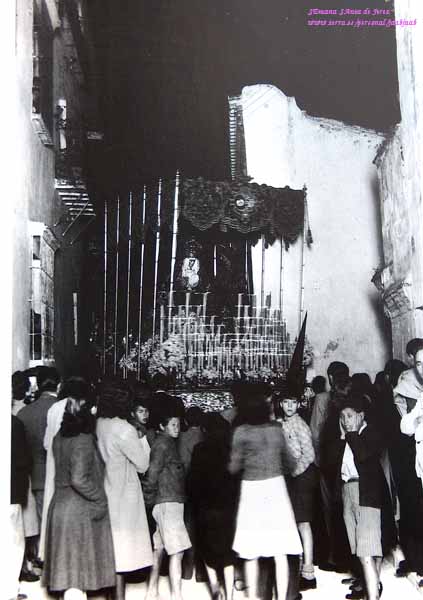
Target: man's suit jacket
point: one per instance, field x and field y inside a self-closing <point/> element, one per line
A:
<point x="34" y="419"/>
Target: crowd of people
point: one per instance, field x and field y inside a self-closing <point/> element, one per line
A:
<point x="116" y="477"/>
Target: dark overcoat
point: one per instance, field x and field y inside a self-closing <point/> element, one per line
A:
<point x="79" y="545"/>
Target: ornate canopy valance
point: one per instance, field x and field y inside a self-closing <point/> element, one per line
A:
<point x="244" y="207"/>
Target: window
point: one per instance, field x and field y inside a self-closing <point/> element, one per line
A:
<point x="43" y="246"/>
<point x="42" y="76"/>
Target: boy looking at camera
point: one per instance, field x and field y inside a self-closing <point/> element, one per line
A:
<point x="361" y="484"/>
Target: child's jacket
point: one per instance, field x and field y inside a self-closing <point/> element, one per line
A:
<point x="165" y="480"/>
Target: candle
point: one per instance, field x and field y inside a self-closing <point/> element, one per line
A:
<point x="205" y="294"/>
<point x="212" y="324"/>
<point x="162" y="316"/>
<point x="239" y="306"/>
<point x="246" y="318"/>
<point x="187" y="297"/>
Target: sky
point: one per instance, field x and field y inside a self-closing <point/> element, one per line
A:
<point x="166" y="69"/>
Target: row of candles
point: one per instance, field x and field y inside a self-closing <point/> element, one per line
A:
<point x="259" y="340"/>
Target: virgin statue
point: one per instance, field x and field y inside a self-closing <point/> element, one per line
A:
<point x="190" y="271"/>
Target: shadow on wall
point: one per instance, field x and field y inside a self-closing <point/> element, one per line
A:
<point x="382" y="321"/>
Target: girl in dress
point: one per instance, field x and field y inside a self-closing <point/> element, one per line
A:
<point x="266" y="524"/>
<point x="79" y="548"/>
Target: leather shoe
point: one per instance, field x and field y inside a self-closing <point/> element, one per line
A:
<point x="307" y="584"/>
<point x="37" y="563"/>
<point x="27" y="575"/>
<point x="402" y="570"/>
<point x="358" y="594"/>
<point x="355" y="595"/>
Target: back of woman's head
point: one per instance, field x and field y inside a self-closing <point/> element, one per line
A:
<point x="361" y="384"/>
<point x="77" y="417"/>
<point x="194" y="416"/>
<point x="76" y="387"/>
<point x="254" y="409"/>
<point x="214" y="423"/>
<point x="115" y="400"/>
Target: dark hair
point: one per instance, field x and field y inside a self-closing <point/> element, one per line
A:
<point x="164" y="419"/>
<point x="163" y="406"/>
<point x="194" y="416"/>
<point x="356" y="401"/>
<point x="76" y="387"/>
<point x="361" y="384"/>
<point x="48" y="379"/>
<point x="238" y="390"/>
<point x="254" y="411"/>
<point x="213" y="422"/>
<point x="380" y="380"/>
<point x="337" y="367"/>
<point x="115" y="400"/>
<point x="341" y="380"/>
<point x="393" y="370"/>
<point x="159" y="382"/>
<point x="142" y="395"/>
<point x="20" y="385"/>
<point x="279" y="414"/>
<point x="80" y="421"/>
<point x="318" y="384"/>
<point x="414" y="346"/>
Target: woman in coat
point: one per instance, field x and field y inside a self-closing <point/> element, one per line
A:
<point x="79" y="547"/>
<point x="125" y="455"/>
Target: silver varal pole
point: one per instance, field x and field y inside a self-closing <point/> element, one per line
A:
<point x="174" y="248"/>
<point x="156" y="260"/>
<point x="128" y="282"/>
<point x="143" y="202"/>
<point x="116" y="286"/>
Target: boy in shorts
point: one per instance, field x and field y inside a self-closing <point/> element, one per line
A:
<point x="165" y="490"/>
<point x="361" y="483"/>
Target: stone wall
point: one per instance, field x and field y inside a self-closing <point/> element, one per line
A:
<point x="285" y="146"/>
<point x="400" y="171"/>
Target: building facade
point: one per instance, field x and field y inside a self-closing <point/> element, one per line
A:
<point x="52" y="213"/>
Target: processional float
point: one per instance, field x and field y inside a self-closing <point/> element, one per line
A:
<point x="178" y="294"/>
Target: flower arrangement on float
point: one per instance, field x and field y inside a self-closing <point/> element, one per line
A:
<point x="170" y="358"/>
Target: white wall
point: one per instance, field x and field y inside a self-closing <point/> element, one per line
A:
<point x="285" y="146"/>
<point x="400" y="170"/>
